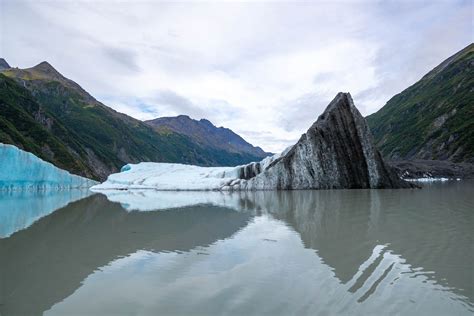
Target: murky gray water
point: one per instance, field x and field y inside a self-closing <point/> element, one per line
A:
<point x="360" y="252"/>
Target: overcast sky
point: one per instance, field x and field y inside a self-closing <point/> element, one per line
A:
<point x="264" y="69"/>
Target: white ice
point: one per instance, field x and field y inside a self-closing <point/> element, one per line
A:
<point x="429" y="179"/>
<point x="169" y="177"/>
<point x="175" y="177"/>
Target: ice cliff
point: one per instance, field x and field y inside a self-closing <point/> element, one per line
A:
<point x="22" y="170"/>
<point x="337" y="152"/>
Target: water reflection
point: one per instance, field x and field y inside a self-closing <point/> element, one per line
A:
<point x="362" y="234"/>
<point x="47" y="262"/>
<point x="20" y="209"/>
<point x="304" y="252"/>
<point x="431" y="229"/>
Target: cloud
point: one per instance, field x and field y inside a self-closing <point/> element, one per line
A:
<point x="266" y="70"/>
<point x="123" y="57"/>
<point x="170" y="103"/>
<point x="302" y="112"/>
<point x="172" y="99"/>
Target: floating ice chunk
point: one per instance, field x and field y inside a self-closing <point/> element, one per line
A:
<point x="428" y="179"/>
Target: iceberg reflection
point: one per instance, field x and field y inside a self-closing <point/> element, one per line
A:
<point x="153" y="200"/>
<point x="20" y="209"/>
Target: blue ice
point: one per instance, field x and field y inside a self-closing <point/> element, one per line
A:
<point x="21" y="170"/>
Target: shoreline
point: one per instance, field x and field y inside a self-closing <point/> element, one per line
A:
<point x="432" y="170"/>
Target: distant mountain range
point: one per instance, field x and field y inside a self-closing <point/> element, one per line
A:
<point x="434" y="118"/>
<point x="206" y="134"/>
<point x="51" y="116"/>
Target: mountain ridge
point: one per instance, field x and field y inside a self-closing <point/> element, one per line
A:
<point x="206" y="133"/>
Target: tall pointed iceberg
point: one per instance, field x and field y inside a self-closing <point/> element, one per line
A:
<point x="337" y="152"/>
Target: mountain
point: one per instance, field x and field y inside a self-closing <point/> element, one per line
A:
<point x="432" y="119"/>
<point x="43" y="112"/>
<point x="206" y="134"/>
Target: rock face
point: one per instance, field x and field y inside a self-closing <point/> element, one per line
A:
<point x="337" y="152"/>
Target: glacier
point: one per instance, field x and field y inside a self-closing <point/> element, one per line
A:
<point x="337" y="152"/>
<point x="22" y="170"/>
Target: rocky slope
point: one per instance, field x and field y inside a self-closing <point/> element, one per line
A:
<point x="206" y="134"/>
<point x="51" y="116"/>
<point x="337" y="152"/>
<point x="27" y="125"/>
<point x="432" y="119"/>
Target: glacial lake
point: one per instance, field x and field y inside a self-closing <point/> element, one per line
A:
<point x="349" y="252"/>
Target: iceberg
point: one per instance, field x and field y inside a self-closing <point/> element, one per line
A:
<point x="170" y="177"/>
<point x="22" y="170"/>
<point x="180" y="177"/>
<point x="337" y="152"/>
